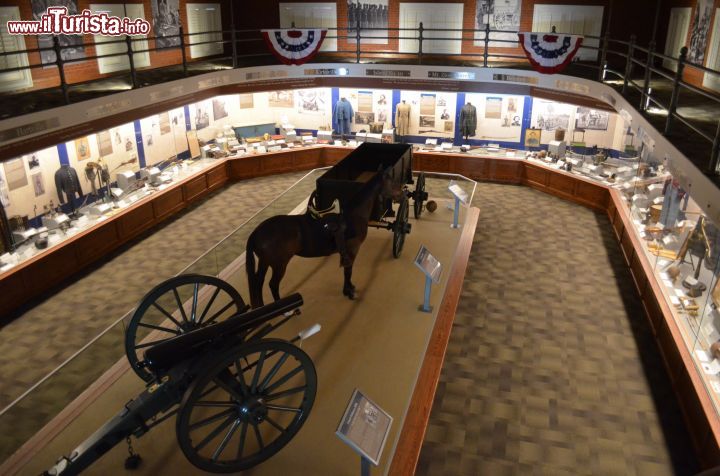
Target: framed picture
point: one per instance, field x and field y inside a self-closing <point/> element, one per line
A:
<point x="591" y="119"/>
<point x="33" y="162"/>
<point x="532" y="137"/>
<point x="219" y="109"/>
<point x="364" y="117"/>
<point x="38" y="184"/>
<point x="427" y="104"/>
<point x="427" y="121"/>
<point x="15" y="174"/>
<point x="493" y="107"/>
<point x="449" y="126"/>
<point x="281" y="98"/>
<point x="164" y="123"/>
<point x="82" y="148"/>
<point x="104" y="143"/>
<point x="246" y="101"/>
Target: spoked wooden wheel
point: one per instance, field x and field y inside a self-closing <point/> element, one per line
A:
<point x="176" y="306"/>
<point x="401" y="227"/>
<point x="419" y="195"/>
<point x="250" y="404"/>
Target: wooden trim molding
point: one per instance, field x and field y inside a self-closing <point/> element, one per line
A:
<point x="412" y="434"/>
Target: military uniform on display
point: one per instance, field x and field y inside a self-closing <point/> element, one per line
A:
<point x="468" y="120"/>
<point x="67" y="183"/>
<point x="343" y="116"/>
<point x="402" y="119"/>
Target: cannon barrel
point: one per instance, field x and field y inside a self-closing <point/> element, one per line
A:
<point x="165" y="355"/>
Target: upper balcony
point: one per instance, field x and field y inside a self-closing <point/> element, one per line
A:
<point x="673" y="93"/>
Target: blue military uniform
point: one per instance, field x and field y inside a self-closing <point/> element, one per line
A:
<point x="343" y="116"/>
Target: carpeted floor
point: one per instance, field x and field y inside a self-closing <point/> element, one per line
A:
<point x="551" y="368"/>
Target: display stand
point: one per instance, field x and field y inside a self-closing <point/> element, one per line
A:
<point x="460" y="196"/>
<point x="364" y="427"/>
<point x="432" y="269"/>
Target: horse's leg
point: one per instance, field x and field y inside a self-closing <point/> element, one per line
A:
<point x="278" y="271"/>
<point x="261" y="272"/>
<point x="348" y="286"/>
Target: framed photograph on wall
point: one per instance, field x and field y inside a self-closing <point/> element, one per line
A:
<point x="105" y="145"/>
<point x="281" y="98"/>
<point x="591" y="119"/>
<point x="246" y="101"/>
<point x="38" y="184"/>
<point x="219" y="109"/>
<point x="427" y="104"/>
<point x="164" y="120"/>
<point x="493" y="107"/>
<point x="15" y="174"/>
<point x="532" y="137"/>
<point x="372" y="15"/>
<point x="82" y="148"/>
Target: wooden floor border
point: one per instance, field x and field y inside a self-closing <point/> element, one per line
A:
<point x="407" y="451"/>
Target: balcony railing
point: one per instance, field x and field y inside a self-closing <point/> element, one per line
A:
<point x="615" y="58"/>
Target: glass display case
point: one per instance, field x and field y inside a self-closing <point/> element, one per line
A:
<point x="682" y="246"/>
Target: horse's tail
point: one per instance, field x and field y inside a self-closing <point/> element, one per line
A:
<point x="254" y="286"/>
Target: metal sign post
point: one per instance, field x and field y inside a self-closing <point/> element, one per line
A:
<point x="432" y="269"/>
<point x="460" y="196"/>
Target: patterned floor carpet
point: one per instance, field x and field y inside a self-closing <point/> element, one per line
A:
<point x="550" y="369"/>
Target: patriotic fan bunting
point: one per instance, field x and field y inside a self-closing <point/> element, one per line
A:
<point x="294" y="46"/>
<point x="549" y="53"/>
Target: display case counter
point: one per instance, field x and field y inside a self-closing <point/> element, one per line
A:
<point x="32" y="271"/>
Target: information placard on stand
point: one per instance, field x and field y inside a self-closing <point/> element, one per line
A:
<point x="365" y="428"/>
<point x="432" y="269"/>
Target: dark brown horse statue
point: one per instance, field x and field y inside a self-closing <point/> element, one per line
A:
<point x="276" y="240"/>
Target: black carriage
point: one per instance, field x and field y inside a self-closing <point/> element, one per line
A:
<point x="348" y="177"/>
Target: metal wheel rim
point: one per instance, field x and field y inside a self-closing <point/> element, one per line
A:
<point x="399" y="228"/>
<point x="418" y="202"/>
<point x="184" y="323"/>
<point x="231" y="426"/>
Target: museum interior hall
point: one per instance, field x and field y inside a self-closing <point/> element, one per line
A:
<point x="469" y="237"/>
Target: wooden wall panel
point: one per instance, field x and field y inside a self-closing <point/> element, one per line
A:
<point x="536" y="175"/>
<point x="136" y="220"/>
<point x="245" y="167"/>
<point x="96" y="244"/>
<point x="194" y="188"/>
<point x="217" y="177"/>
<point x="169" y="202"/>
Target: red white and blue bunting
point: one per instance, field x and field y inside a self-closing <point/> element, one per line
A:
<point x="294" y="46"/>
<point x="549" y="53"/>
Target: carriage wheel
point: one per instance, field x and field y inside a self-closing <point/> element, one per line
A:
<point x="248" y="405"/>
<point x="176" y="306"/>
<point x="401" y="227"/>
<point x="419" y="195"/>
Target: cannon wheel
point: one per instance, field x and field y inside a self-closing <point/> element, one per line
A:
<point x="170" y="320"/>
<point x="247" y="406"/>
<point x="401" y="227"/>
<point x="419" y="195"/>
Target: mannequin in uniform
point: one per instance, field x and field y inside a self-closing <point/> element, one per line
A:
<point x="402" y="119"/>
<point x="343" y="116"/>
<point x="67" y="184"/>
<point x="468" y="120"/>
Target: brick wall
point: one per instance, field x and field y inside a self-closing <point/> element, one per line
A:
<point x="45" y="77"/>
